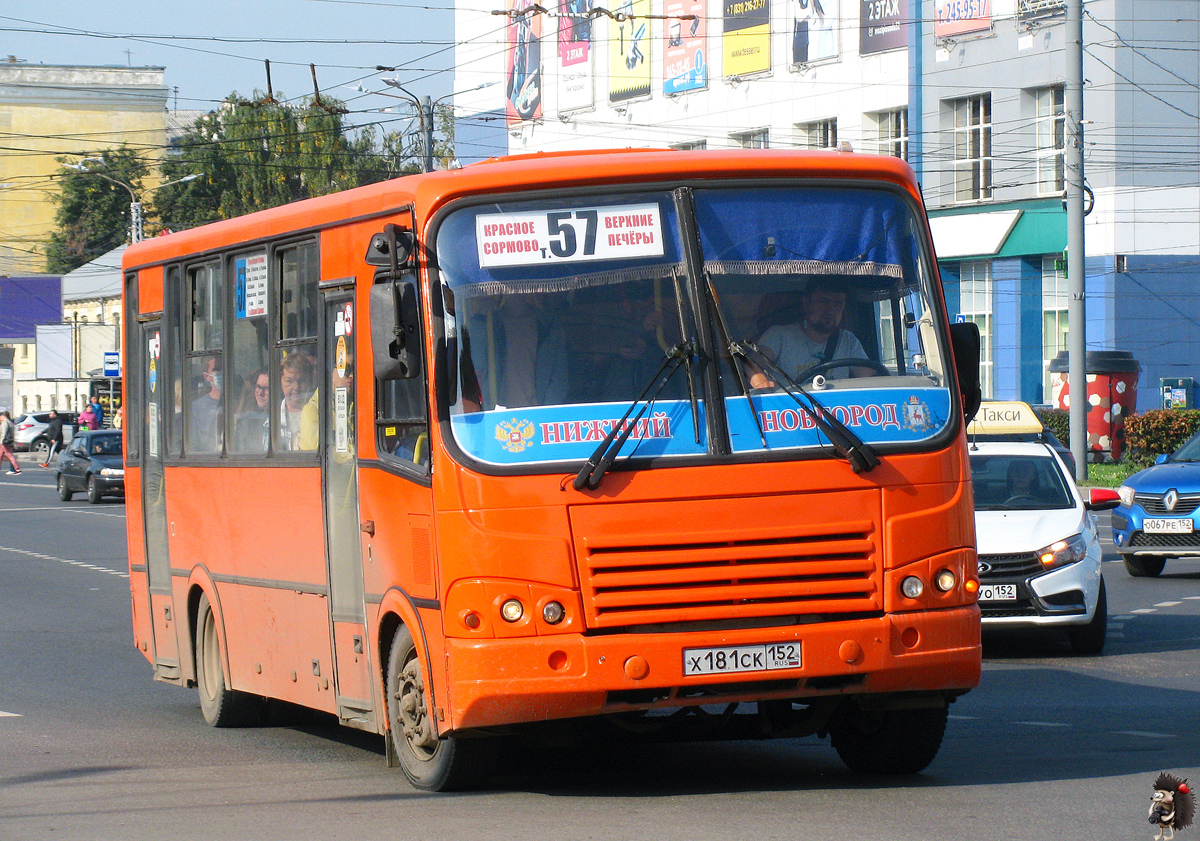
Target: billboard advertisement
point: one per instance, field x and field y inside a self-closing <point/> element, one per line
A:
<point x="883" y="25"/>
<point x="524" y="66"/>
<point x="26" y="302"/>
<point x="575" y="84"/>
<point x="746" y="46"/>
<point x="814" y="25"/>
<point x="685" y="53"/>
<point x="958" y="17"/>
<point x="629" y="51"/>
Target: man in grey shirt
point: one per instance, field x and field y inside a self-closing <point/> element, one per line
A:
<point x="796" y="348"/>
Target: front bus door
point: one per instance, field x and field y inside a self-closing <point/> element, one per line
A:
<point x="154" y="508"/>
<point x="343" y="550"/>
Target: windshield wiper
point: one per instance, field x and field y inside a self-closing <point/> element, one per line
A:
<point x="738" y="373"/>
<point x="597" y="465"/>
<point x="848" y="445"/>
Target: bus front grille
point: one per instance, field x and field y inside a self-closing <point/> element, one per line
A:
<point x="830" y="573"/>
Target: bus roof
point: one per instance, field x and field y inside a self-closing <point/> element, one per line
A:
<point x="427" y="192"/>
<point x="1005" y="417"/>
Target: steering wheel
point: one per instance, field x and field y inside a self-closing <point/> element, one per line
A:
<point x="845" y="362"/>
<point x="1021" y="499"/>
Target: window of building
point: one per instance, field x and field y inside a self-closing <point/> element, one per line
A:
<point x="892" y="133"/>
<point x="973" y="148"/>
<point x="975" y="297"/>
<point x="1055" y="302"/>
<point x="1051" y="140"/>
<point x="759" y="139"/>
<point x="690" y="145"/>
<point x="819" y="135"/>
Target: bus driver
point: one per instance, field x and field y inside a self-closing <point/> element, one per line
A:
<point x="819" y="338"/>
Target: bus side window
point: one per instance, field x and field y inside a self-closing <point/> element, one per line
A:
<point x="203" y="396"/>
<point x="402" y="419"/>
<point x="402" y="422"/>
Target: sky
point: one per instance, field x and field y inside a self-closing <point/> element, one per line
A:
<point x="210" y="49"/>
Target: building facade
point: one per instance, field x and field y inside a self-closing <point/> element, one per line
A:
<point x="971" y="94"/>
<point x="48" y="111"/>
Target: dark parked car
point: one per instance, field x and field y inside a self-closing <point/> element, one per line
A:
<point x="92" y="462"/>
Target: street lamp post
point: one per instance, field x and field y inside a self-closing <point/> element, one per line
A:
<point x="135" y="205"/>
<point x="425" y="115"/>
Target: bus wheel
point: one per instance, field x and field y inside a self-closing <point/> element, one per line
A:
<point x="222" y="706"/>
<point x="889" y="741"/>
<point x="430" y="763"/>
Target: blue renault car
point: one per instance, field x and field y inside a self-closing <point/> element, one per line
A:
<point x="1157" y="518"/>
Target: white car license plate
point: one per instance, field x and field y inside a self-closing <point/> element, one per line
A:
<point x="741" y="658"/>
<point x="998" y="593"/>
<point x="1160" y="525"/>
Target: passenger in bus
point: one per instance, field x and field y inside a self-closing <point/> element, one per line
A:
<point x="252" y="424"/>
<point x="206" y="421"/>
<point x="296" y="381"/>
<point x="529" y="350"/>
<point x="817" y="338"/>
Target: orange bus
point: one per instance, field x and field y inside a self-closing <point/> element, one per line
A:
<point x="630" y="438"/>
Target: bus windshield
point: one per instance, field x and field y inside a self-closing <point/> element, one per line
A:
<point x="559" y="312"/>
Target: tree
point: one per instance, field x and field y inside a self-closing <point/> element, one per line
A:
<point x="256" y="154"/>
<point x="93" y="213"/>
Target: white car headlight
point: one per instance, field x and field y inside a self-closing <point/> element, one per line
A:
<point x="1063" y="552"/>
<point x="1126" y="494"/>
<point x="113" y="472"/>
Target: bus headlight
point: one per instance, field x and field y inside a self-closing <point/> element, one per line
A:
<point x="912" y="587"/>
<point x="945" y="581"/>
<point x="512" y="610"/>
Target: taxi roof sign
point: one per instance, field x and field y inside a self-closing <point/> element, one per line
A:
<point x="1005" y="417"/>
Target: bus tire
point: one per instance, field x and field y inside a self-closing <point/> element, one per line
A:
<point x="889" y="741"/>
<point x="430" y="763"/>
<point x="1144" y="566"/>
<point x="222" y="706"/>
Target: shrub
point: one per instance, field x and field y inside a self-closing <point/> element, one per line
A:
<point x="1159" y="431"/>
<point x="1057" y="421"/>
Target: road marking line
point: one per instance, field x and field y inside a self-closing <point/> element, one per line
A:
<point x="1043" y="723"/>
<point x="82" y="564"/>
<point x="1191" y="597"/>
<point x="1167" y="604"/>
<point x="1144" y="610"/>
<point x="963" y="717"/>
<point x="1145" y="733"/>
<point x="3" y="714"/>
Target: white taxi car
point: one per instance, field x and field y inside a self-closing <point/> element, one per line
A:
<point x="1038" y="544"/>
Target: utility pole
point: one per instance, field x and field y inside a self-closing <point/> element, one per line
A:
<point x="426" y="109"/>
<point x="1076" y="306"/>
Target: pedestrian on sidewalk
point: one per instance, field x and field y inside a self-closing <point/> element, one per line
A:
<point x="54" y="433"/>
<point x="8" y="436"/>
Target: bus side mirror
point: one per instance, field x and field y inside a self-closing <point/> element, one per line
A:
<point x="964" y="339"/>
<point x="395" y="330"/>
<point x="394" y="249"/>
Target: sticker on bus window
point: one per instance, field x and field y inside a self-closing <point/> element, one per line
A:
<point x="251" y="273"/>
<point x="569" y="236"/>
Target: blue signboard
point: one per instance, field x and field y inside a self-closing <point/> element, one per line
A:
<point x="573" y="432"/>
<point x="112" y="363"/>
<point x="26" y="302"/>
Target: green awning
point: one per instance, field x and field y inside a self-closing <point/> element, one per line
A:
<point x="1038" y="231"/>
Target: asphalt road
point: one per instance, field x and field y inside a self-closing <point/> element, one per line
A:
<point x="1049" y="746"/>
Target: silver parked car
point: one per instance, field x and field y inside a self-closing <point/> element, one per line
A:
<point x="31" y="431"/>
